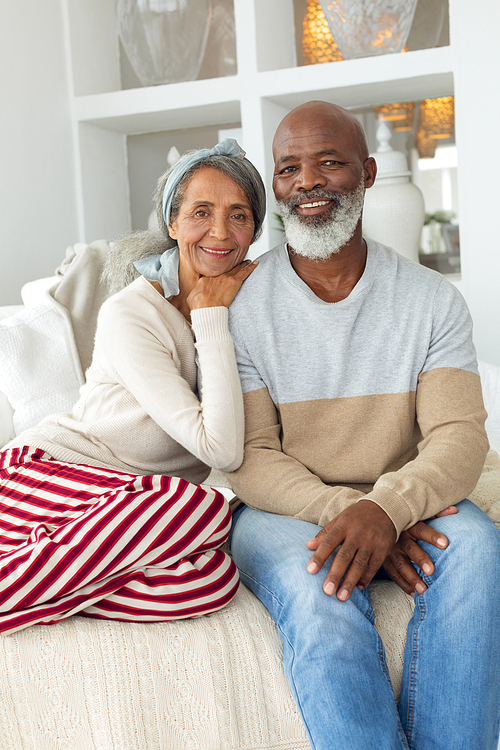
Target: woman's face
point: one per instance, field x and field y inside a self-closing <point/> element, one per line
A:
<point x="214" y="227"/>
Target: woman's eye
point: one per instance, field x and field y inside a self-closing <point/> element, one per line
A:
<point x="239" y="217"/>
<point x="201" y="212"/>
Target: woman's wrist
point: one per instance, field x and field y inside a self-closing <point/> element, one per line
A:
<point x="210" y="323"/>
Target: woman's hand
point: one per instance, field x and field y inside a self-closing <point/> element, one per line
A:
<point x="219" y="291"/>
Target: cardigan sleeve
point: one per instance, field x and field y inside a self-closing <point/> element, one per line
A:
<point x="147" y="357"/>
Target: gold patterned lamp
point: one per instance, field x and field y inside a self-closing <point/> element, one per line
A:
<point x="426" y="146"/>
<point x="400" y="115"/>
<point x="436" y="121"/>
<point x="318" y="44"/>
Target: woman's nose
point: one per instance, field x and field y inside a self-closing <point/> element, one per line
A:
<point x="219" y="227"/>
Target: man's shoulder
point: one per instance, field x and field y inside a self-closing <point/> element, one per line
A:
<point x="270" y="260"/>
<point x="415" y="276"/>
<point x="268" y="268"/>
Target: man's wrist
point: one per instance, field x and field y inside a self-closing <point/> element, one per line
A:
<point x="371" y="500"/>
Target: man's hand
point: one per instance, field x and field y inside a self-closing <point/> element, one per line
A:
<point x="365" y="534"/>
<point x="398" y="563"/>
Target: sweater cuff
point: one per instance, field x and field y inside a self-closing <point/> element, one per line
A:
<point x="393" y="505"/>
<point x="210" y="324"/>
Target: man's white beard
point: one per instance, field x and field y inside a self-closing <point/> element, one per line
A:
<point x="319" y="237"/>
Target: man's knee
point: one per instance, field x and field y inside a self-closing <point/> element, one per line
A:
<point x="473" y="551"/>
<point x="470" y="528"/>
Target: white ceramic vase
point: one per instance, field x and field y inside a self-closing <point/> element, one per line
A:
<point x="394" y="210"/>
<point x="164" y="39"/>
<point x="369" y="27"/>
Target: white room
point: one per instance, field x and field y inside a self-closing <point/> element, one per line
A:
<point x="87" y="128"/>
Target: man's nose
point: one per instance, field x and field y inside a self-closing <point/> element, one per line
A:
<point x="309" y="178"/>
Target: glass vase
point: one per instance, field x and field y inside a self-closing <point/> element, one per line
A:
<point x="164" y="40"/>
<point x="362" y="28"/>
<point x="220" y="53"/>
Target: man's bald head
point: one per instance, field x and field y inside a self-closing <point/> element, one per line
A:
<point x="319" y="114"/>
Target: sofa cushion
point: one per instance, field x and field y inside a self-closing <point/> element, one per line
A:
<point x="37" y="374"/>
<point x="212" y="683"/>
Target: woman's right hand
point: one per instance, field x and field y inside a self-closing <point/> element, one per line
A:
<point x="219" y="291"/>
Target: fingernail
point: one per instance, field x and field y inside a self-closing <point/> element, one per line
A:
<point x="329" y="588"/>
<point x="427" y="569"/>
<point x="312" y="567"/>
<point x="343" y="594"/>
<point x="420" y="588"/>
<point x="441" y="541"/>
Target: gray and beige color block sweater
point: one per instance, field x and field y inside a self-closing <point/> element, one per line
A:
<point x="375" y="396"/>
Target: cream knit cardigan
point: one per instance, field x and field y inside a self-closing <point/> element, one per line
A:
<point x="144" y="409"/>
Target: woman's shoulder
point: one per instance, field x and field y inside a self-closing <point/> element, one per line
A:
<point x="140" y="305"/>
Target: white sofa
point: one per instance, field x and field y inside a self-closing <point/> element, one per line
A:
<point x="215" y="683"/>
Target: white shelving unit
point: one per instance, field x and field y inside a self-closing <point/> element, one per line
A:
<point x="268" y="84"/>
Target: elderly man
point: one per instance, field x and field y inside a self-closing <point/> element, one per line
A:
<point x="364" y="417"/>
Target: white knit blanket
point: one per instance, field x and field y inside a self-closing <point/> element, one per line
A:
<point x="215" y="683"/>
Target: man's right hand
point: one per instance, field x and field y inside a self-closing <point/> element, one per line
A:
<point x="365" y="536"/>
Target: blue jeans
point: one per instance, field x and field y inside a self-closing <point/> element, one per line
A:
<point x="334" y="659"/>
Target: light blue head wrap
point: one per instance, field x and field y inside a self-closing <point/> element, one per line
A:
<point x="227" y="147"/>
<point x="165" y="268"/>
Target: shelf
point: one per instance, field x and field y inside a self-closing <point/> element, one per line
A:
<point x="157" y="108"/>
<point x="364" y="82"/>
<point x="351" y="83"/>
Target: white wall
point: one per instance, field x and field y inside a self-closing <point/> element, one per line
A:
<point x="474" y="28"/>
<point x="38" y="205"/>
<point x="37" y="197"/>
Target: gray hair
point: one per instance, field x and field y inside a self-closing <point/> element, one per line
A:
<point x="119" y="270"/>
<point x="241" y="171"/>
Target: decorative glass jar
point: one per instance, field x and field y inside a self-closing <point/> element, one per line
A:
<point x="164" y="39"/>
<point x="369" y="27"/>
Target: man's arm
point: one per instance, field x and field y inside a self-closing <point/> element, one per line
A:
<point x="272" y="481"/>
<point x="451" y="454"/>
<point x="450" y="413"/>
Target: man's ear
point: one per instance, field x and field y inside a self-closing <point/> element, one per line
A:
<point x="370" y="171"/>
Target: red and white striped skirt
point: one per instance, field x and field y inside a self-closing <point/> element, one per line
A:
<point x="76" y="539"/>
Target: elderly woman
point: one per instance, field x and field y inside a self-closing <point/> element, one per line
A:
<point x="101" y="510"/>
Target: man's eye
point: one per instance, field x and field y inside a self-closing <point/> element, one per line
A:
<point x="330" y="162"/>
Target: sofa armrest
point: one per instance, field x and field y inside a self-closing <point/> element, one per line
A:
<point x="6" y="423"/>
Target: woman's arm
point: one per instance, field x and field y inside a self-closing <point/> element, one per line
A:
<point x="149" y="350"/>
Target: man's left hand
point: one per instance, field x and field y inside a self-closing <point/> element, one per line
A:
<point x="398" y="564"/>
